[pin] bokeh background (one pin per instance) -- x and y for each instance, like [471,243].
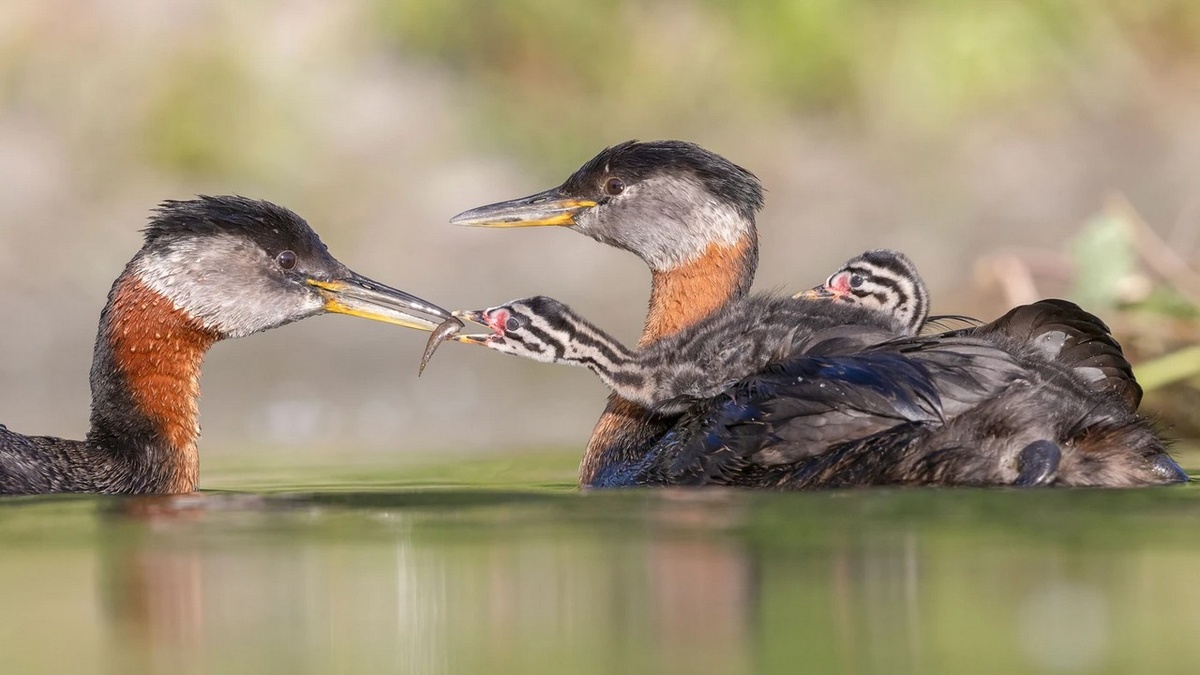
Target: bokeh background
[1013,150]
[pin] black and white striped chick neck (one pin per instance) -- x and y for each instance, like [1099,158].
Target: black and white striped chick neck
[699,362]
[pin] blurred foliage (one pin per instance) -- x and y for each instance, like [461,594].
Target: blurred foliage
[1104,260]
[205,99]
[215,115]
[1151,291]
[1171,368]
[917,63]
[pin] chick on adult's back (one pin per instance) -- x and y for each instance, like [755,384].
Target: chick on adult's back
[883,280]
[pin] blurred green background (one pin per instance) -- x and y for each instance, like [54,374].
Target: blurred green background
[1015,150]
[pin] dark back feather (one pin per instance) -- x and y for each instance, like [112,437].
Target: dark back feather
[1064,333]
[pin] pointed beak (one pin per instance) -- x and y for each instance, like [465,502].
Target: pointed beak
[359,296]
[551,207]
[475,316]
[817,293]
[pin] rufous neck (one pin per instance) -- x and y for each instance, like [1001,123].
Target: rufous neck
[679,297]
[683,295]
[146,386]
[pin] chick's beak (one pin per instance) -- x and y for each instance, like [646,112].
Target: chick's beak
[476,316]
[817,293]
[359,296]
[551,207]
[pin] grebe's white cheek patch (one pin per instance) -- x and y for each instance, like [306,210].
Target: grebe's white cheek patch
[225,285]
[670,220]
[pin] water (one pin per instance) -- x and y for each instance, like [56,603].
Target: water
[500,566]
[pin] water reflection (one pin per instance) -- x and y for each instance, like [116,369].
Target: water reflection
[447,582]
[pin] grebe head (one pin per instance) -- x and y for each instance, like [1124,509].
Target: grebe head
[665,201]
[880,279]
[237,266]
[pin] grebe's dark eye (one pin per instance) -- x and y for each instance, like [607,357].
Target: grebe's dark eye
[286,260]
[856,281]
[512,324]
[614,186]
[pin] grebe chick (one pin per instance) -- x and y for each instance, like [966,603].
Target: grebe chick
[883,280]
[667,376]
[210,268]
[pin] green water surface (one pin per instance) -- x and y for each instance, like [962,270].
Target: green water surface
[501,566]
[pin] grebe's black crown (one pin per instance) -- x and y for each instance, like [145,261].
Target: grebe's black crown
[546,306]
[888,259]
[272,227]
[636,160]
[238,266]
